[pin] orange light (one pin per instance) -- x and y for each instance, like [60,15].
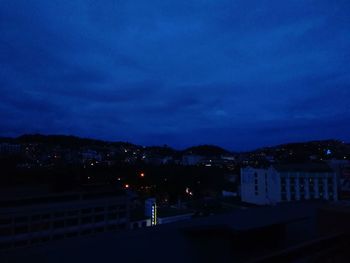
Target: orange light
[126,186]
[142,174]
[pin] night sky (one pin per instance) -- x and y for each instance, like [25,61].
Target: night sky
[236,73]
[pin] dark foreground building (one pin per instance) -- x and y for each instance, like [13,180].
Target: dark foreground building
[283,233]
[39,217]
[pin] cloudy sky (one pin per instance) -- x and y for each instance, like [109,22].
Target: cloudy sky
[236,73]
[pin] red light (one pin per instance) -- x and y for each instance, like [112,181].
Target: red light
[142,174]
[126,186]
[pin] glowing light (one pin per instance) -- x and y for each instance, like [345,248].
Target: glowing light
[154,215]
[188,191]
[142,174]
[89,177]
[126,186]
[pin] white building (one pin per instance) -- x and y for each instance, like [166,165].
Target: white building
[284,183]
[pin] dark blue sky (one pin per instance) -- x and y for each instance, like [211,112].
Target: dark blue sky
[237,73]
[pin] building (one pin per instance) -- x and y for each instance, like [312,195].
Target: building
[168,215]
[9,148]
[192,159]
[29,220]
[285,183]
[91,155]
[232,237]
[342,169]
[151,210]
[154,215]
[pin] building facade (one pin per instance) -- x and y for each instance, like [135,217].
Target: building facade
[9,148]
[285,183]
[29,221]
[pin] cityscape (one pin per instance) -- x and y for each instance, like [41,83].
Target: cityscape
[174,131]
[59,189]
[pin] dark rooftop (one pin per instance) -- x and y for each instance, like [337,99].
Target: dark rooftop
[303,167]
[167,243]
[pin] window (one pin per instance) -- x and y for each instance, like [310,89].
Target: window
[21,230]
[99,229]
[5,245]
[330,188]
[292,196]
[112,216]
[122,214]
[73,213]
[36,218]
[112,208]
[21,243]
[86,232]
[36,240]
[46,216]
[72,234]
[21,219]
[122,207]
[4,221]
[5,231]
[283,188]
[112,227]
[99,218]
[122,226]
[99,209]
[86,220]
[86,211]
[40,227]
[321,189]
[72,222]
[284,197]
[59,214]
[58,237]
[58,224]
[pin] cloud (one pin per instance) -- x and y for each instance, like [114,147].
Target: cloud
[169,71]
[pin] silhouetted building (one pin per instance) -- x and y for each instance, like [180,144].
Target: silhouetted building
[33,219]
[9,148]
[240,236]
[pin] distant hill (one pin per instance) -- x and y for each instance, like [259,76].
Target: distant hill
[161,150]
[303,150]
[63,140]
[337,148]
[206,150]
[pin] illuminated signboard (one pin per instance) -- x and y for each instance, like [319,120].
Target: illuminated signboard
[154,215]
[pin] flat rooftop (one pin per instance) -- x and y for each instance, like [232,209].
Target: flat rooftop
[165,243]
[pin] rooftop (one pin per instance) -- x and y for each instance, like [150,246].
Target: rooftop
[303,167]
[158,243]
